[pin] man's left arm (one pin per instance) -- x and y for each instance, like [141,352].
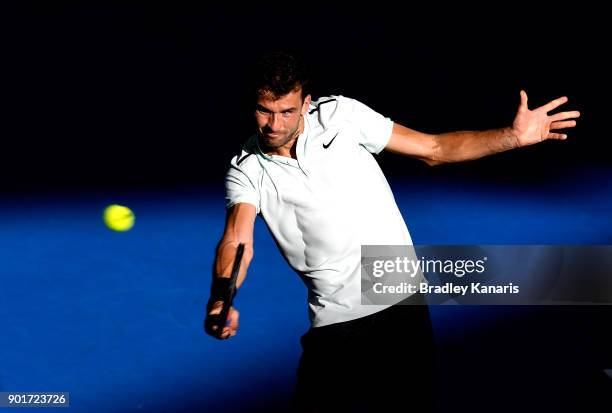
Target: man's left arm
[529,127]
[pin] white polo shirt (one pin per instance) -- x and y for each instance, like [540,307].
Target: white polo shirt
[322,206]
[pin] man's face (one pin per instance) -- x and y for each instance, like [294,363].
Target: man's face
[278,118]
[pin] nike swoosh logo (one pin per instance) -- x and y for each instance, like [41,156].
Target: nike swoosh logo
[329,143]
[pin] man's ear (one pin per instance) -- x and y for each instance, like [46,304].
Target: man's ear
[306,104]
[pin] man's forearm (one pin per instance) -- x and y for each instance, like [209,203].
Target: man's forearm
[468,145]
[226,254]
[238,230]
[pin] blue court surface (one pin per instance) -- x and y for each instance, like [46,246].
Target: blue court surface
[116,318]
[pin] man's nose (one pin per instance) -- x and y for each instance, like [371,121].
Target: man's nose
[274,122]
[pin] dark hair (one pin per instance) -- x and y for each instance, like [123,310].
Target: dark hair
[279,73]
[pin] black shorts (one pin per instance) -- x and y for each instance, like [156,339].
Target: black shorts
[382,362]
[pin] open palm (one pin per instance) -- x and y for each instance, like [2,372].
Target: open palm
[533,126]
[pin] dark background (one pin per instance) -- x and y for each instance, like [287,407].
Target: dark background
[147,96]
[127,97]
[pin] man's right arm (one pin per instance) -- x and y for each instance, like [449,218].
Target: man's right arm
[239,228]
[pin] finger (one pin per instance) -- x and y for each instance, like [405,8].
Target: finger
[523,105]
[558,136]
[232,328]
[564,116]
[214,332]
[554,104]
[216,308]
[234,315]
[228,332]
[562,125]
[211,326]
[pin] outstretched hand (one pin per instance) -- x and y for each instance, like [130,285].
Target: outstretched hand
[533,126]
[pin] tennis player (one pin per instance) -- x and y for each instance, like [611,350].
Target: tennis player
[310,172]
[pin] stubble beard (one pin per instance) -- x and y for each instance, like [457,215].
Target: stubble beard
[290,136]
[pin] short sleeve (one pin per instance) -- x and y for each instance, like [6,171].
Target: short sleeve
[239,188]
[374,129]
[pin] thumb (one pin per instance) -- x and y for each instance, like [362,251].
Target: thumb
[523,100]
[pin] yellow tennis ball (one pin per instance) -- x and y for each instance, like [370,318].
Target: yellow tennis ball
[118,217]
